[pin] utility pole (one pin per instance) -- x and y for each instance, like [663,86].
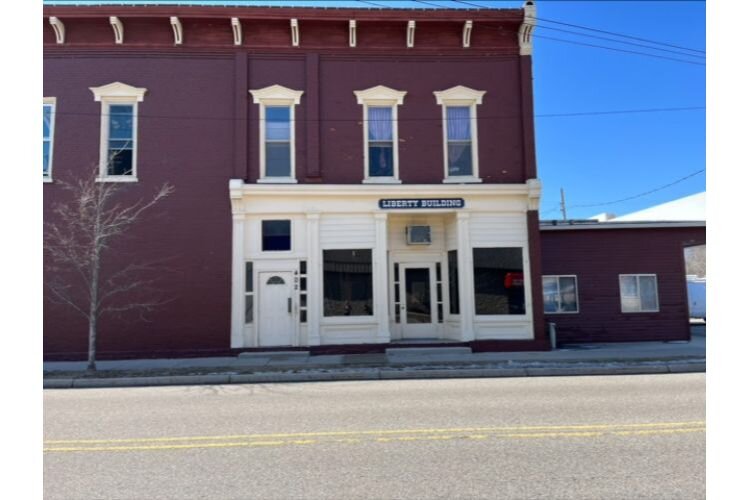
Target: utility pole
[562,204]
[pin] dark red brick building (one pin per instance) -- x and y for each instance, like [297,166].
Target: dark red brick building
[343,177]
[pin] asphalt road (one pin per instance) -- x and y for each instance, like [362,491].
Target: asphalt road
[614,437]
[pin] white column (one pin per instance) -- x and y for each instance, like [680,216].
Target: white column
[380,277]
[314,279]
[465,277]
[238,280]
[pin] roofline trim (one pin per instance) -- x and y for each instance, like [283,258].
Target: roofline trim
[621,225]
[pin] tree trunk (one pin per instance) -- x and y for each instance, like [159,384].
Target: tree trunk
[92,345]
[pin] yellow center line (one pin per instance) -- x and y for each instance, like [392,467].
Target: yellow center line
[382,432]
[434,437]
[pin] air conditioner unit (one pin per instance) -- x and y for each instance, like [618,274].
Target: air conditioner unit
[418,235]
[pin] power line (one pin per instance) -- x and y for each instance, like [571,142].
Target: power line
[574,42]
[588,28]
[401,119]
[619,50]
[620,41]
[617,34]
[589,205]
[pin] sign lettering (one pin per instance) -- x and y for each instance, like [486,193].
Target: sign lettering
[391,204]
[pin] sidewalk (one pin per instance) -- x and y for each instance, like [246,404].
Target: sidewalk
[396,363]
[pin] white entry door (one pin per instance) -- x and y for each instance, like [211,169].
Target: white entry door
[419,303]
[277,320]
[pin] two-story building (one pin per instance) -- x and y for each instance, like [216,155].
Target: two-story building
[343,177]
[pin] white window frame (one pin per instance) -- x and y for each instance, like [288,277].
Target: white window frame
[461,96]
[380,97]
[50,102]
[291,235]
[277,95]
[117,93]
[557,278]
[640,299]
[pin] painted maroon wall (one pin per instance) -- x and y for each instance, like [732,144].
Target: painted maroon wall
[198,129]
[597,257]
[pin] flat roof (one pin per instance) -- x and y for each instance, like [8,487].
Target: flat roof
[586,224]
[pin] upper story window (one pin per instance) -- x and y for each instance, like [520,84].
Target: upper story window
[118,150]
[48,137]
[460,137]
[277,132]
[380,127]
[560,294]
[638,293]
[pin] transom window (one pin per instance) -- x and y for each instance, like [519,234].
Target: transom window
[277,235]
[47,137]
[560,294]
[638,293]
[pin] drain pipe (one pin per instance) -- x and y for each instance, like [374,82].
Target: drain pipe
[553,335]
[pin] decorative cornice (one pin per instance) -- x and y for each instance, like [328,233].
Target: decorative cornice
[461,94]
[381,94]
[277,94]
[526,29]
[118,90]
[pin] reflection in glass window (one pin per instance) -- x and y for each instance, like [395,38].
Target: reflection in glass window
[120,144]
[499,281]
[638,293]
[560,294]
[347,282]
[458,123]
[453,282]
[278,141]
[49,113]
[380,141]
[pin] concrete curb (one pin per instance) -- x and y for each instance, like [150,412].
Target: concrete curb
[384,373]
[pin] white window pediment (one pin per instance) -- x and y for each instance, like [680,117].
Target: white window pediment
[380,94]
[459,95]
[277,94]
[118,91]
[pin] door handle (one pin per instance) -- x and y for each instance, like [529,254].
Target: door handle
[289,305]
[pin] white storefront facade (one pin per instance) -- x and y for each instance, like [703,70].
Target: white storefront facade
[345,264]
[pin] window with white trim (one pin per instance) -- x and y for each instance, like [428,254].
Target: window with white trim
[48,135]
[460,133]
[560,294]
[277,133]
[638,293]
[380,138]
[118,149]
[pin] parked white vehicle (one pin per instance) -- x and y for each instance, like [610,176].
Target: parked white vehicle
[697,296]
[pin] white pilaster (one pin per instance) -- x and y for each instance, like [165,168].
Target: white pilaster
[465,277]
[238,264]
[380,277]
[314,279]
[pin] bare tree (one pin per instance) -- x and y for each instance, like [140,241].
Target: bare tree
[83,233]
